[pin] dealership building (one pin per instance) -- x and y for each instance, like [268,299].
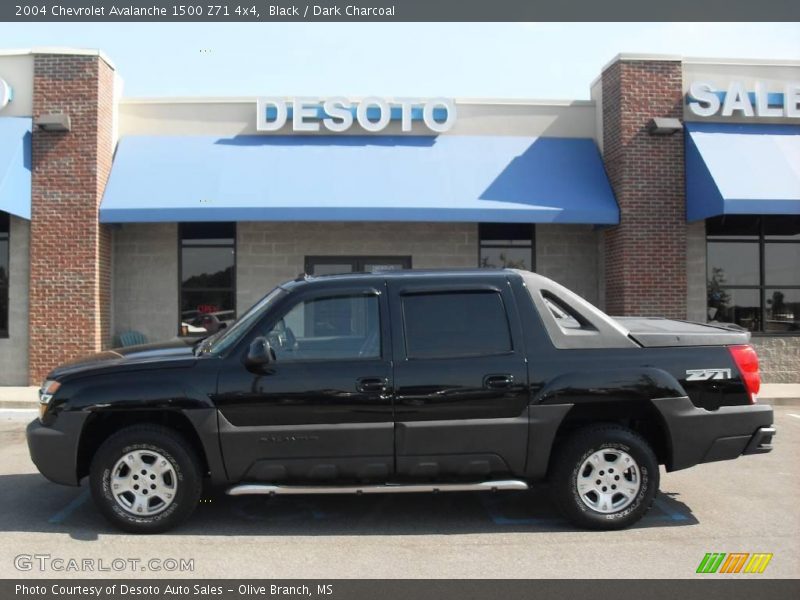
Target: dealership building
[674,191]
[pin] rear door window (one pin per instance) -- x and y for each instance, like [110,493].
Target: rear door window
[455,324]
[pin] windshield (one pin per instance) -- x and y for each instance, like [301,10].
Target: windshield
[226,338]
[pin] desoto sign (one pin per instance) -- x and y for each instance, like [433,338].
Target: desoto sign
[340,114]
[737,100]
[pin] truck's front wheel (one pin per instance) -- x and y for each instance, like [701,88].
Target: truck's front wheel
[604,477]
[145,479]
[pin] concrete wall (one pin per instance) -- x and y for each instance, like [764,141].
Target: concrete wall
[719,73]
[237,116]
[145,280]
[14,348]
[696,272]
[569,255]
[268,253]
[779,358]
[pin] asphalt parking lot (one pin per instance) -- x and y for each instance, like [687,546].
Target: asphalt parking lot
[748,505]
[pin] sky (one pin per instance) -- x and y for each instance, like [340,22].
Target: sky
[463,60]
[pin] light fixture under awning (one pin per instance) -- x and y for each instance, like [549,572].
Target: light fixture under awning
[15,166]
[742,169]
[358,178]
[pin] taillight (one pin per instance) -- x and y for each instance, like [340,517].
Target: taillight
[746,360]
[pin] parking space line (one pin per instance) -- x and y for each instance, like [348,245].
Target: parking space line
[793,415]
[64,513]
[492,508]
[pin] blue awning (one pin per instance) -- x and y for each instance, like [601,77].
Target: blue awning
[742,169]
[358,178]
[15,166]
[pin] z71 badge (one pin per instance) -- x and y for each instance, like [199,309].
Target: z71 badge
[707,374]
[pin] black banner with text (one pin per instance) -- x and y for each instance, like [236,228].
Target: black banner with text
[397,10]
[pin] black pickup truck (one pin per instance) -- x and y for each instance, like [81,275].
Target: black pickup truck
[405,382]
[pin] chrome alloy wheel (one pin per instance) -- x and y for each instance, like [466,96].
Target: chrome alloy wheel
[608,480]
[144,483]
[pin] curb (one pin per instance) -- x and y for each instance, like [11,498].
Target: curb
[19,404]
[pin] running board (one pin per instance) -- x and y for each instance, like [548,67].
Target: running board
[388,488]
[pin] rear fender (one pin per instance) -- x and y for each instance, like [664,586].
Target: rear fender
[639,384]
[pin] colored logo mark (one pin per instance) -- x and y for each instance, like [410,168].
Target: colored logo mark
[734,562]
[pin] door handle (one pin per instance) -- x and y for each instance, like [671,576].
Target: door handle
[371,384]
[498,382]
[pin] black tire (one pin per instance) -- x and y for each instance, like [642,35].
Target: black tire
[170,445]
[568,460]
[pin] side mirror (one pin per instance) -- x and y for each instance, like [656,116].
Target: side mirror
[260,353]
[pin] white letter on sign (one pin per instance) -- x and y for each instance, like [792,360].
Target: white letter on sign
[763,109]
[703,101]
[383,119]
[6,94]
[339,116]
[736,99]
[406,108]
[301,111]
[433,124]
[261,114]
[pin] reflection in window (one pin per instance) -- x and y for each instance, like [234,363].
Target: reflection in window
[782,308]
[331,328]
[782,263]
[450,325]
[4,275]
[336,265]
[506,245]
[739,306]
[207,277]
[753,272]
[735,262]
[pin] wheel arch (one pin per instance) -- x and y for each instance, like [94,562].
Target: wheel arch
[100,425]
[641,417]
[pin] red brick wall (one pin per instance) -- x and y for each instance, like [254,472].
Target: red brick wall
[646,253]
[70,250]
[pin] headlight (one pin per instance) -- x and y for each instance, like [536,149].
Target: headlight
[46,394]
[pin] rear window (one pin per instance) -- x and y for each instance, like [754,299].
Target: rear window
[455,324]
[566,317]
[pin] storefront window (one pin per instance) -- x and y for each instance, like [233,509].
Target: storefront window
[207,277]
[4,243]
[336,265]
[753,272]
[506,245]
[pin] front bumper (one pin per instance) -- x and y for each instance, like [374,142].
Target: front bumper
[54,449]
[699,436]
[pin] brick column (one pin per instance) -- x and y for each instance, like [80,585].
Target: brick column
[70,251]
[645,258]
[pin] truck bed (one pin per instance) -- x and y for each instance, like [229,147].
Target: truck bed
[656,332]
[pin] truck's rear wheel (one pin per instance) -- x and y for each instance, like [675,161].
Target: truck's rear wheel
[604,477]
[145,479]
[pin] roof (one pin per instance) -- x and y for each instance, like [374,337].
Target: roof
[403,274]
[721,159]
[463,178]
[15,166]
